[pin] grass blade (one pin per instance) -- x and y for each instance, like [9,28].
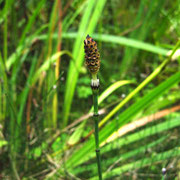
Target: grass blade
[87,26]
[77,157]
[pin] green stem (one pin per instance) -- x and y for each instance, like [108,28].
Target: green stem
[96,119]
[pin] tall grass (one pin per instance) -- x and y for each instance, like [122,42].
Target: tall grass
[87,26]
[44,129]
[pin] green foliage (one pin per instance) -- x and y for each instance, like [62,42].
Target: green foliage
[87,25]
[84,92]
[3,143]
[46,116]
[123,118]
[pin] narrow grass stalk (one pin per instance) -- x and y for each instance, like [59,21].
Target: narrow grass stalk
[96,120]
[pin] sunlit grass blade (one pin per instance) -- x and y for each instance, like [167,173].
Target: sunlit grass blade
[45,66]
[77,51]
[142,85]
[68,21]
[144,133]
[4,87]
[126,116]
[141,122]
[121,40]
[142,163]
[3,143]
[113,160]
[87,26]
[138,136]
[5,10]
[138,44]
[112,88]
[77,134]
[5,47]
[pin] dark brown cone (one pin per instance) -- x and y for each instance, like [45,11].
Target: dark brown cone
[92,55]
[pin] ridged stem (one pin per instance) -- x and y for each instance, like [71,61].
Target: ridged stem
[95,91]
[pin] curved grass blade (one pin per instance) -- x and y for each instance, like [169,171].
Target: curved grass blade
[78,156]
[45,66]
[114,160]
[142,163]
[77,134]
[125,42]
[87,26]
[141,86]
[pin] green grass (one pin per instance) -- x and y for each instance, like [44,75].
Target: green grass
[45,125]
[123,118]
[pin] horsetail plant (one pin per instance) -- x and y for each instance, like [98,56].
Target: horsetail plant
[92,57]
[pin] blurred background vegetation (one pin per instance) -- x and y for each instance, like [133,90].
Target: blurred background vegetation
[45,96]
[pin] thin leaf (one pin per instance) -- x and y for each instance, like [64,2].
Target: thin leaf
[77,134]
[77,157]
[142,163]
